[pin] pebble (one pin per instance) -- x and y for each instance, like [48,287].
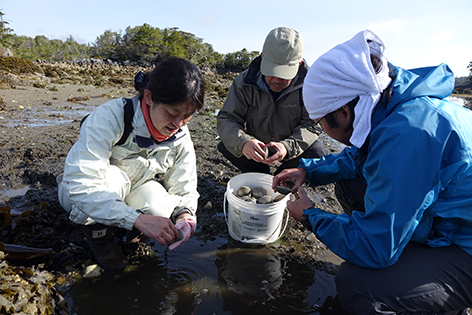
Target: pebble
[92,271]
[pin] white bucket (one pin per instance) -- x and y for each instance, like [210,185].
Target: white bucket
[250,222]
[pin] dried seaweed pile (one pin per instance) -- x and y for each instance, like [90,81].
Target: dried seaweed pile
[28,291]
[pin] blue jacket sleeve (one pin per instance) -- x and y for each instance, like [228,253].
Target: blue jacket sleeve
[331,168]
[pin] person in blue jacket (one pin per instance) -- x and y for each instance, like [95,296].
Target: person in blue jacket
[404,181]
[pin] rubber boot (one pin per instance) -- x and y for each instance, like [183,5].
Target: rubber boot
[101,241]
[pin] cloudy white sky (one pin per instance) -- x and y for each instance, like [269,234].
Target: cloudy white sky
[417,32]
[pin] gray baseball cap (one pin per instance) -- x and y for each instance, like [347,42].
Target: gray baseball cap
[282,53]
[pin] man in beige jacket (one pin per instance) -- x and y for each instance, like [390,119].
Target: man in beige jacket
[264,120]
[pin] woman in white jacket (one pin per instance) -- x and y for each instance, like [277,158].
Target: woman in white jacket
[107,185]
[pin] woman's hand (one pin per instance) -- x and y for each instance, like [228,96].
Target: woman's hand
[296,206]
[187,224]
[160,229]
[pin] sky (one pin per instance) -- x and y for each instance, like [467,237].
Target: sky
[417,33]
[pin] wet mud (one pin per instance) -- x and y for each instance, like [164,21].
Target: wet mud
[211,274]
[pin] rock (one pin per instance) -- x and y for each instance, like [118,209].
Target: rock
[92,271]
[9,78]
[5,52]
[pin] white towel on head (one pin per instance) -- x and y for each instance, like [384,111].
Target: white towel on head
[344,73]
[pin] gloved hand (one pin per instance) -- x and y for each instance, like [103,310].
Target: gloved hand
[187,224]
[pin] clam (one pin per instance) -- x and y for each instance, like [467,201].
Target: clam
[180,237]
[278,198]
[258,192]
[244,191]
[283,190]
[259,195]
[264,199]
[252,200]
[246,198]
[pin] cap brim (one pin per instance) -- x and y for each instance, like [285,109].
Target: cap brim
[287,72]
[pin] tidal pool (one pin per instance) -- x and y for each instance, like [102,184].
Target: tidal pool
[218,277]
[8,193]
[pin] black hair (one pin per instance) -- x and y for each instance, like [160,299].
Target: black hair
[376,63]
[331,120]
[172,82]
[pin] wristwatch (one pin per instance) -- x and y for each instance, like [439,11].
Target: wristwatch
[305,221]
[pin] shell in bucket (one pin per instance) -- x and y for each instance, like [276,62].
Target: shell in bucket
[250,222]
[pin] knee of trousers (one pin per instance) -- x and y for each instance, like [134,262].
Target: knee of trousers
[63,200]
[353,291]
[153,199]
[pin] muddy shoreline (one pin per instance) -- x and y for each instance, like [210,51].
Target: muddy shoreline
[39,122]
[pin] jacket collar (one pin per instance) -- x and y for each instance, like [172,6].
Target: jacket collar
[150,143]
[142,136]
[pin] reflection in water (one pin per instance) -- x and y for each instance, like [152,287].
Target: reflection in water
[219,277]
[14,192]
[154,289]
[258,281]
[251,272]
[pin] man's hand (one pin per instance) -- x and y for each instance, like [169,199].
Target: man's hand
[296,206]
[295,175]
[279,155]
[254,150]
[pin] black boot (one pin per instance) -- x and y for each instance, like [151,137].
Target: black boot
[107,254]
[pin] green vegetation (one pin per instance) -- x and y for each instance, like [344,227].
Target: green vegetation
[42,48]
[143,45]
[470,71]
[5,36]
[148,45]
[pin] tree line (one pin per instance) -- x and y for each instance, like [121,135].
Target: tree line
[144,45]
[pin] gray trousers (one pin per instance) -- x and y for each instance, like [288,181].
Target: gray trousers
[425,280]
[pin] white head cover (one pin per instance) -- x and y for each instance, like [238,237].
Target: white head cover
[342,74]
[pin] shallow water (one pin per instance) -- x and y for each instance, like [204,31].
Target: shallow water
[44,116]
[9,193]
[218,277]
[457,100]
